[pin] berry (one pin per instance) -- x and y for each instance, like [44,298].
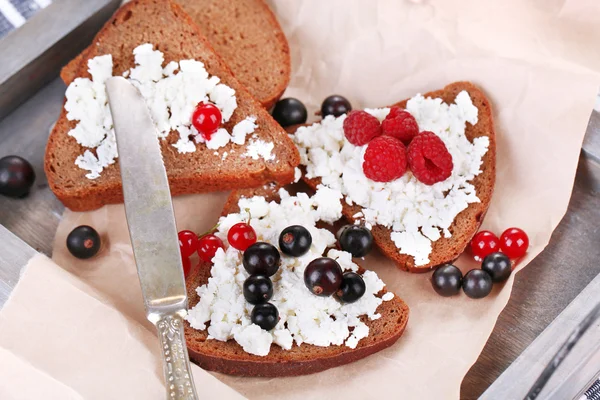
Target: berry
[83,242]
[483,244]
[289,112]
[208,246]
[261,259]
[401,125]
[394,112]
[360,127]
[498,266]
[16,176]
[335,105]
[514,243]
[241,235]
[188,243]
[265,315]
[356,240]
[323,276]
[258,289]
[447,280]
[385,159]
[295,240]
[206,119]
[187,266]
[429,159]
[339,232]
[477,284]
[353,287]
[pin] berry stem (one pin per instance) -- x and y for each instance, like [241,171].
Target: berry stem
[211,230]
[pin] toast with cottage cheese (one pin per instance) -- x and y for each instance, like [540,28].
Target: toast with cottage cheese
[467,222]
[246,34]
[230,358]
[266,155]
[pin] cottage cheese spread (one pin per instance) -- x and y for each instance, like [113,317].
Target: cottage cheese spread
[171,92]
[417,214]
[305,318]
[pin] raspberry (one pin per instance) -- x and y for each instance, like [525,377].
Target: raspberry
[429,159]
[385,159]
[394,112]
[401,125]
[360,127]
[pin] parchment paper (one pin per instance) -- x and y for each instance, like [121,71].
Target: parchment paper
[538,63]
[61,339]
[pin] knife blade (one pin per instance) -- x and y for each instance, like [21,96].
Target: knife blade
[152,229]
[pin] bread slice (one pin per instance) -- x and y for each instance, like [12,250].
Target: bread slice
[246,34]
[468,221]
[229,357]
[165,25]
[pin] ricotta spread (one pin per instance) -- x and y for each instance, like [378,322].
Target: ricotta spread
[417,214]
[304,317]
[171,93]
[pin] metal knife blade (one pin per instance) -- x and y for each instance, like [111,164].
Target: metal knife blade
[147,199]
[152,228]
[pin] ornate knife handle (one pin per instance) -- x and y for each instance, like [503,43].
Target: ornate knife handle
[176,364]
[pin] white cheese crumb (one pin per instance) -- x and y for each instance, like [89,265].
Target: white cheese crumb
[297,175]
[260,149]
[243,128]
[219,139]
[253,339]
[387,296]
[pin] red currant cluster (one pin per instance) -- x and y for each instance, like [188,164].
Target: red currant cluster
[513,242]
[240,236]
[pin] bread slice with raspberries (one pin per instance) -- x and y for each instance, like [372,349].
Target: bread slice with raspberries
[246,35]
[164,24]
[468,221]
[229,357]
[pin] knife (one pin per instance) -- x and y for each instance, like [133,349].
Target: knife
[152,230]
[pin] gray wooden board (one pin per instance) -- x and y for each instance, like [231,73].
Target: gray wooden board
[541,291]
[14,256]
[33,54]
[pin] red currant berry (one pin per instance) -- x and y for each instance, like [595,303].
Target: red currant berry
[188,243]
[483,244]
[208,246]
[241,236]
[514,243]
[187,266]
[206,119]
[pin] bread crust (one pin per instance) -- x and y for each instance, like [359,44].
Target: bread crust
[201,171]
[230,358]
[467,223]
[265,33]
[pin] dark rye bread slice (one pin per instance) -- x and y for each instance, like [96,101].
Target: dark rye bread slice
[246,34]
[229,357]
[165,25]
[248,37]
[468,221]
